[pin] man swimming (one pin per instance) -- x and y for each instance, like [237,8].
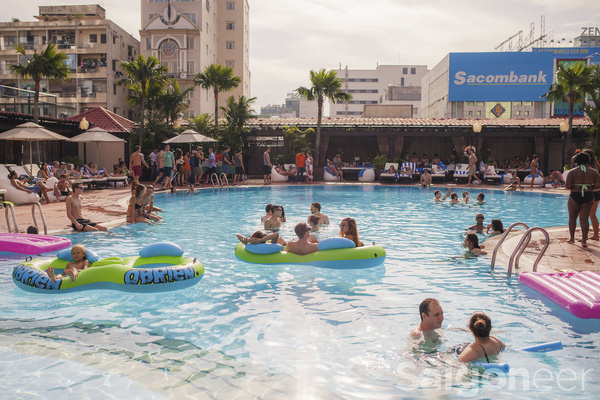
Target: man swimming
[432,316]
[274,222]
[479,226]
[315,209]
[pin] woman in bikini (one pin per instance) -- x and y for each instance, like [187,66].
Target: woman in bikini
[348,230]
[582,182]
[595,224]
[485,346]
[136,205]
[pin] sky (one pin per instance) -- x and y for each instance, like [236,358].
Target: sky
[288,38]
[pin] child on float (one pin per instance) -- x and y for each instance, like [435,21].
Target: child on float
[72,269]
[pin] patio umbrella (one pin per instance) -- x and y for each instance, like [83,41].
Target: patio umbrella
[96,135]
[190,136]
[30,132]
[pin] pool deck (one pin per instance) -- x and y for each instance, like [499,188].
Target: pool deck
[108,207]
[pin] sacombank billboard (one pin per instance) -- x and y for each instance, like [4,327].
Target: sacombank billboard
[500,76]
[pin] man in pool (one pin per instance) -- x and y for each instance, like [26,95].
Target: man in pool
[274,222]
[73,203]
[479,226]
[481,198]
[303,245]
[432,316]
[315,209]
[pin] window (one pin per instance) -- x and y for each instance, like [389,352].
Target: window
[148,43]
[206,49]
[230,63]
[103,38]
[518,103]
[518,112]
[479,103]
[190,16]
[413,71]
[470,112]
[230,5]
[190,43]
[478,112]
[230,45]
[402,81]
[526,112]
[115,89]
[191,67]
[93,38]
[405,71]
[10,40]
[469,103]
[114,40]
[207,5]
[230,26]
[114,65]
[527,103]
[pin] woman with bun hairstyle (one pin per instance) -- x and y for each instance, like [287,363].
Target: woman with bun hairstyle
[485,346]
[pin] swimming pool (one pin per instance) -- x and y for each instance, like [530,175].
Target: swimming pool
[295,331]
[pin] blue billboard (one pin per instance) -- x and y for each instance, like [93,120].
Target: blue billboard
[500,76]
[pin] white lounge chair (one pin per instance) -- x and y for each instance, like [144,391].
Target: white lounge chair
[13,194]
[438,173]
[404,176]
[492,176]
[461,172]
[385,175]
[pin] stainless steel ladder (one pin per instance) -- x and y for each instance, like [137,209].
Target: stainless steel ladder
[220,181]
[514,258]
[504,235]
[9,206]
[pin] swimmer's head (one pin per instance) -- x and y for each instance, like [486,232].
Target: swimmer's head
[480,324]
[480,197]
[78,249]
[497,225]
[316,206]
[301,229]
[473,240]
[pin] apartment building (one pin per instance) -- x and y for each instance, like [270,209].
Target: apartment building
[94,47]
[370,86]
[188,35]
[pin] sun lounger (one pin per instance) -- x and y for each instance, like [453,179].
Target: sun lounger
[461,172]
[95,182]
[118,179]
[491,176]
[404,177]
[11,193]
[385,175]
[438,173]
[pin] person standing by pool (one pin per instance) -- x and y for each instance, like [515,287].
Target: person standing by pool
[153,165]
[303,245]
[240,171]
[300,166]
[212,164]
[135,163]
[309,166]
[267,166]
[432,316]
[315,209]
[582,182]
[485,346]
[166,161]
[348,230]
[534,169]
[73,204]
[472,166]
[226,160]
[595,224]
[478,227]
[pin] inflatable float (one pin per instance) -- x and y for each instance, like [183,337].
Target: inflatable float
[23,243]
[333,253]
[160,267]
[576,292]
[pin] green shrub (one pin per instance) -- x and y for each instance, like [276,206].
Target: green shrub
[72,160]
[379,161]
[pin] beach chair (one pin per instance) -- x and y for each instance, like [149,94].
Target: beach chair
[385,176]
[11,193]
[461,173]
[32,169]
[328,176]
[94,181]
[438,173]
[277,177]
[491,176]
[404,177]
[539,181]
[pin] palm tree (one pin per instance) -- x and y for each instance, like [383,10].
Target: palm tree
[174,101]
[237,113]
[153,90]
[202,124]
[325,85]
[219,79]
[49,64]
[139,72]
[572,84]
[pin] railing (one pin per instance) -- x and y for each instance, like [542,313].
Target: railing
[9,206]
[39,206]
[506,232]
[514,258]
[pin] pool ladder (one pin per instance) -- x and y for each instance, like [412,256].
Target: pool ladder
[221,181]
[516,255]
[9,206]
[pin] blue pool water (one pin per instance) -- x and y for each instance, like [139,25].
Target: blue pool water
[291,331]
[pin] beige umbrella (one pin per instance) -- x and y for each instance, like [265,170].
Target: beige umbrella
[189,136]
[30,132]
[96,135]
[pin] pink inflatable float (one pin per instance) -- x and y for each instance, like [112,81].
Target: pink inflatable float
[576,292]
[23,243]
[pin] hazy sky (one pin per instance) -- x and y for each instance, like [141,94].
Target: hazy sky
[290,37]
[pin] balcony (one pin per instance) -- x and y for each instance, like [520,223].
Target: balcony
[91,72]
[95,97]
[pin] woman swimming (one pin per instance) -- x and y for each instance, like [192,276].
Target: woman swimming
[472,244]
[348,230]
[485,346]
[496,226]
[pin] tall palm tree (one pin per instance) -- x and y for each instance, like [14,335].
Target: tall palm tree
[174,101]
[237,113]
[325,85]
[572,84]
[153,90]
[219,79]
[139,72]
[49,64]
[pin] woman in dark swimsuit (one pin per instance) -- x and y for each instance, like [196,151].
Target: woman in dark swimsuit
[485,345]
[595,223]
[581,181]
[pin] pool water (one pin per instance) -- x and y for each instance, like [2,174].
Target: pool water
[289,331]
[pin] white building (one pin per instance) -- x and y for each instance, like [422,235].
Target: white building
[189,35]
[368,86]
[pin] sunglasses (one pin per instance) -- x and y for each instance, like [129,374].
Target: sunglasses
[479,218]
[343,224]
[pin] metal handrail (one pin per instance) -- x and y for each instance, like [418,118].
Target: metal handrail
[214,176]
[504,235]
[514,258]
[41,214]
[224,179]
[8,205]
